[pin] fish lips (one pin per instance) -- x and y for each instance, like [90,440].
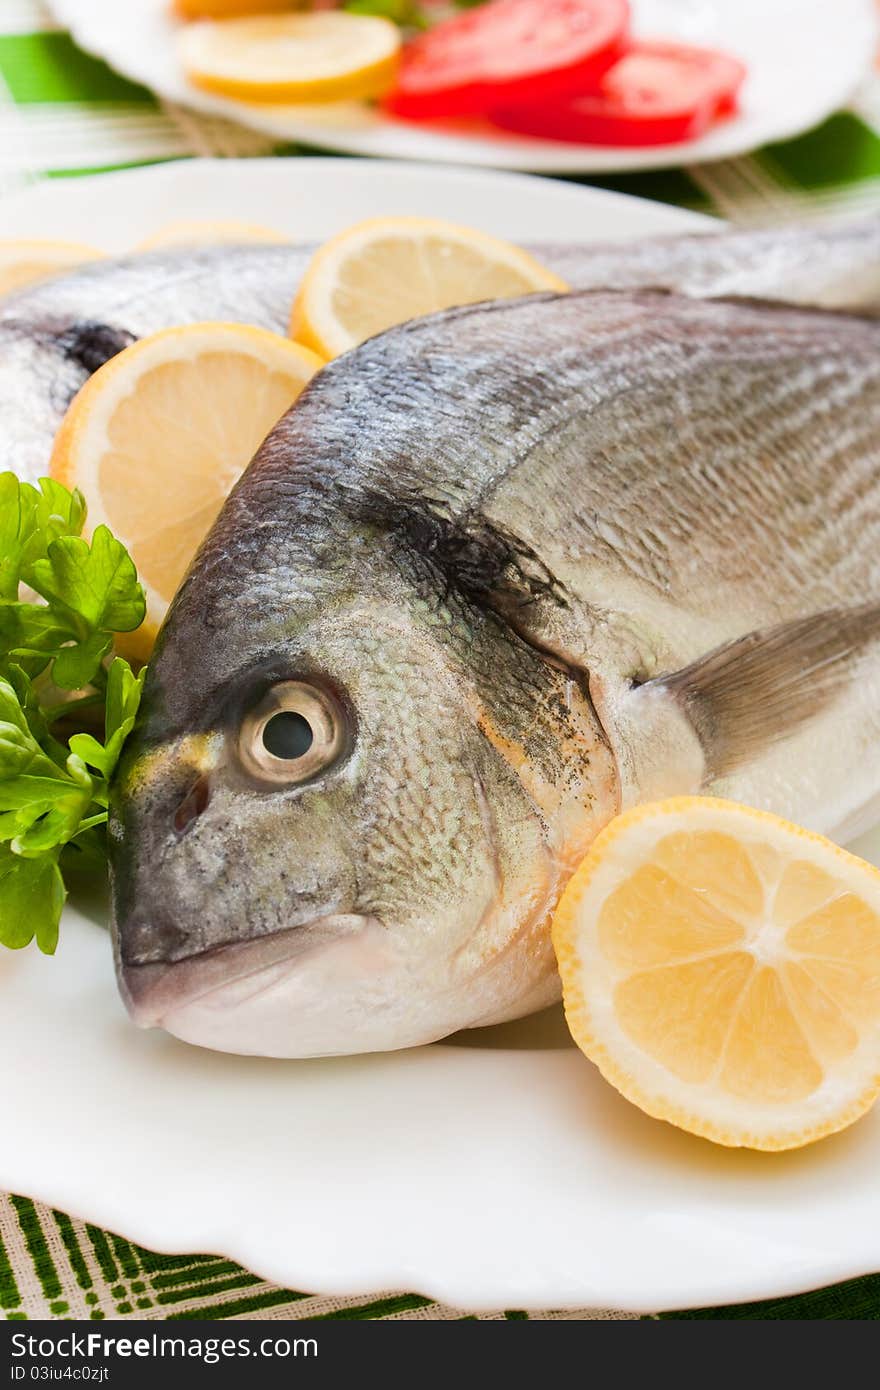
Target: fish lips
[189,996]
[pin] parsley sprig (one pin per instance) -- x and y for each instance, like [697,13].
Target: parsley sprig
[409,14]
[56,674]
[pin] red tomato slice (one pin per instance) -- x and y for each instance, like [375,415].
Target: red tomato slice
[509,51]
[657,94]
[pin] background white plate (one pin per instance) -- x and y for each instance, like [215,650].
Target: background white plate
[500,1171]
[805,57]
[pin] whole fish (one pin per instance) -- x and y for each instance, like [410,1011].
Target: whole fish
[498,574]
[55,334]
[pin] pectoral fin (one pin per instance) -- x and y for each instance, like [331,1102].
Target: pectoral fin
[682,731]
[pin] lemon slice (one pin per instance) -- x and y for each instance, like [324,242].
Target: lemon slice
[196,233]
[159,435]
[227,9]
[390,269]
[23,262]
[292,57]
[722,969]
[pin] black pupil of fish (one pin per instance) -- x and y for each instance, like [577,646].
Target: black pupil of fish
[288,735]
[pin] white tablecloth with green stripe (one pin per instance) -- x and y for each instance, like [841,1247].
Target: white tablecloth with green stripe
[62,113]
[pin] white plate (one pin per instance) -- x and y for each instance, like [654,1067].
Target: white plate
[498,1172]
[805,58]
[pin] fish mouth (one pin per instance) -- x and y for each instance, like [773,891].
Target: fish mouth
[230,975]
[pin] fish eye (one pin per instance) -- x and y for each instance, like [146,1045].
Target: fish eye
[293,733]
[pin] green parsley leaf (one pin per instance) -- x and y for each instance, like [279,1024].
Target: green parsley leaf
[123,697]
[60,512]
[97,583]
[16,529]
[10,707]
[32,895]
[409,14]
[32,629]
[30,520]
[54,791]
[124,691]
[403,12]
[77,665]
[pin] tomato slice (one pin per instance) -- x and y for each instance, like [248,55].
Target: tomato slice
[657,94]
[509,51]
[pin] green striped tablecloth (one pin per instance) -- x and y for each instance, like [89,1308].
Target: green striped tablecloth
[63,113]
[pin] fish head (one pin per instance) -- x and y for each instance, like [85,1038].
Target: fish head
[333,851]
[352,795]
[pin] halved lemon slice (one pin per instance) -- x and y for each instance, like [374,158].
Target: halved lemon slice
[195,233]
[390,269]
[23,262]
[160,433]
[292,57]
[722,969]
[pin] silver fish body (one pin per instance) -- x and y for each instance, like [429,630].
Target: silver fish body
[55,334]
[529,562]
